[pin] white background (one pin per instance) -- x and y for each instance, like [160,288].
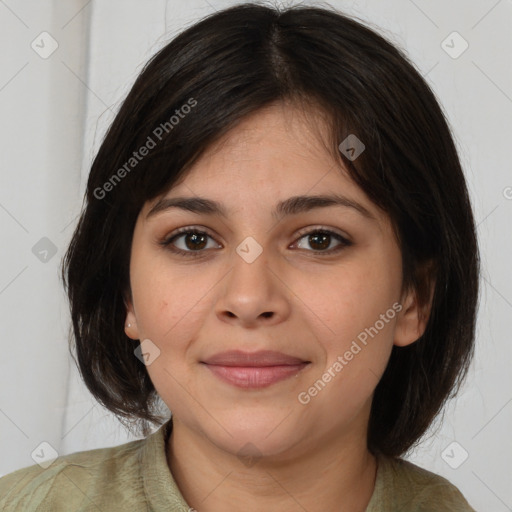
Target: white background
[54,113]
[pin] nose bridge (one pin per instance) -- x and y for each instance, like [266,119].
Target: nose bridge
[251,289]
[250,266]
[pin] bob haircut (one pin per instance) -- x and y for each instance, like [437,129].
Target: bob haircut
[197,88]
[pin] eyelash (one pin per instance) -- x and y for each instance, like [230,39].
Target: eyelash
[168,242]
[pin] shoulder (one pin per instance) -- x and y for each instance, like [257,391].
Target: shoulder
[78,481]
[402,485]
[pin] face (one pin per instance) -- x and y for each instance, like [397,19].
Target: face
[320,283]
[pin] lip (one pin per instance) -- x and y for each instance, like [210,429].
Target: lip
[254,369]
[253,359]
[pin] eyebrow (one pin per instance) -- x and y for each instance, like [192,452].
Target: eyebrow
[291,206]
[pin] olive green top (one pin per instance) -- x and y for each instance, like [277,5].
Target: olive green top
[135,477]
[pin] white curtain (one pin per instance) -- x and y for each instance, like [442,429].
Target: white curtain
[42,105]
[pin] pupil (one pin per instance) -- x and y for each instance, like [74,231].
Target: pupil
[195,237]
[315,237]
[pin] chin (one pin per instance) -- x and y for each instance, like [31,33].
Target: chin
[252,434]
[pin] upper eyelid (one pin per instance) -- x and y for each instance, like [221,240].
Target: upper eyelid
[304,231]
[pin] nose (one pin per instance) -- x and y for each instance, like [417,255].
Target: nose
[253,293]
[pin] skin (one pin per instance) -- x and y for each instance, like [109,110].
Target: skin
[291,299]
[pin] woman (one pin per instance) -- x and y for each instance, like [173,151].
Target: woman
[278,243]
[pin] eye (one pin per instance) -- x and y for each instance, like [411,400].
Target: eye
[192,241]
[320,240]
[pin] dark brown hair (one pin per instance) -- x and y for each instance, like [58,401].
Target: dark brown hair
[229,65]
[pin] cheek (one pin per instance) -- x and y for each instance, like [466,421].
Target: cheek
[352,309]
[349,298]
[169,306]
[164,298]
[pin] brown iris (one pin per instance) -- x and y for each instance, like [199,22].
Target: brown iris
[197,240]
[321,239]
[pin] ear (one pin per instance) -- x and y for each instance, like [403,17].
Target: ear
[130,324]
[416,307]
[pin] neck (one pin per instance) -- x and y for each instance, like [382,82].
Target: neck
[337,473]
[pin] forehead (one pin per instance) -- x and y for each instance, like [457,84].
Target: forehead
[281,129]
[280,147]
[267,161]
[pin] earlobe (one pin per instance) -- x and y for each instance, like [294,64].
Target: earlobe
[412,320]
[417,305]
[130,324]
[407,327]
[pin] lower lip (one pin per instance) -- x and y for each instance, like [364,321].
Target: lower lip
[255,377]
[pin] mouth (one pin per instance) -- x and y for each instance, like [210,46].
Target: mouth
[254,370]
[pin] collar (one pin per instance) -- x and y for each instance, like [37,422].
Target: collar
[161,490]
